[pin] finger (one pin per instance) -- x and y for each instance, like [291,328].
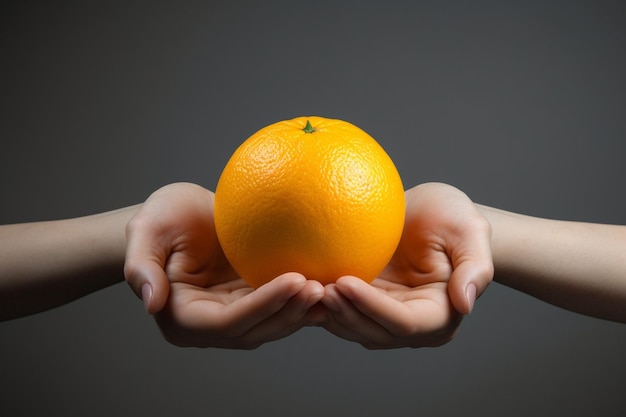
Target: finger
[294,315]
[422,314]
[348,322]
[467,282]
[472,272]
[144,272]
[237,318]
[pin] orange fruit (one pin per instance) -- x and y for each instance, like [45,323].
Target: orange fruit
[311,195]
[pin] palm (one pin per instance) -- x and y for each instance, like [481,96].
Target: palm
[421,266]
[417,277]
[198,298]
[417,298]
[445,238]
[230,314]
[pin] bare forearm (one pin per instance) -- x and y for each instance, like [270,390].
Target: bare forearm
[46,264]
[574,265]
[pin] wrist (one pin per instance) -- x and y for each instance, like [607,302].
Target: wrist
[106,234]
[508,230]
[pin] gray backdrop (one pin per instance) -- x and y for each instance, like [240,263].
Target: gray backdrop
[520,104]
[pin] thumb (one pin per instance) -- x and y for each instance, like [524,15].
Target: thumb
[468,280]
[149,281]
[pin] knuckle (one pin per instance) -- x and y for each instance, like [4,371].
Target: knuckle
[131,269]
[487,271]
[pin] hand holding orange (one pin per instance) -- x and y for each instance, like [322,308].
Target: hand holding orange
[311,195]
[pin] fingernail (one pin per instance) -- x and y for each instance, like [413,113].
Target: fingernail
[470,294]
[146,295]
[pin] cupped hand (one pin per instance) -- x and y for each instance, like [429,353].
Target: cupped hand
[175,264]
[442,263]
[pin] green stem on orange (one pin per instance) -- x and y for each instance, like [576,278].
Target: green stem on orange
[308,128]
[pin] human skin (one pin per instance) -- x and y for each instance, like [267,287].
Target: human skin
[168,251]
[443,262]
[452,246]
[175,264]
[50,263]
[578,266]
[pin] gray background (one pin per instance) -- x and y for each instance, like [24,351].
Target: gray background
[520,104]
